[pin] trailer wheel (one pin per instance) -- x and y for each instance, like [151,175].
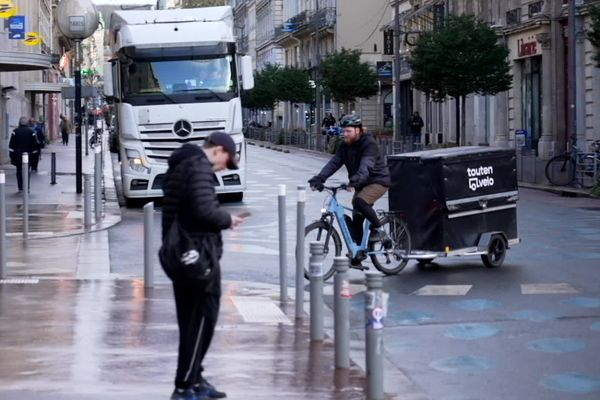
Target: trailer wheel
[496,252]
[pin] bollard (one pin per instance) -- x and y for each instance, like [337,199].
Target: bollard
[374,312]
[87,139]
[25,175]
[97,184]
[341,311]
[300,253]
[282,246]
[315,271]
[53,168]
[87,200]
[2,224]
[148,252]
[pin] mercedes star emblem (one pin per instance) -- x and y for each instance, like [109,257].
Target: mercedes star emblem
[182,128]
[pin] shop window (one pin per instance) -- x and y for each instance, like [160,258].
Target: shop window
[531,97]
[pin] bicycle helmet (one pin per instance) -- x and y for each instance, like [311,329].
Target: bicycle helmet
[351,120]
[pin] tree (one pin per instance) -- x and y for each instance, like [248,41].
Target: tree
[203,3]
[293,84]
[346,78]
[594,33]
[462,58]
[263,96]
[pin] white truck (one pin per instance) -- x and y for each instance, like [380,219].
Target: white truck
[174,77]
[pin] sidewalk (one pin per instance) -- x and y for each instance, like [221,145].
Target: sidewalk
[57,210]
[114,340]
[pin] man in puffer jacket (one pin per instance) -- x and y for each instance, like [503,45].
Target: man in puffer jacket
[189,195]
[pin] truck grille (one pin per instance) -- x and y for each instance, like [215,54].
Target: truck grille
[159,140]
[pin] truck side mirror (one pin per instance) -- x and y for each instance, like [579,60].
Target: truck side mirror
[108,80]
[247,73]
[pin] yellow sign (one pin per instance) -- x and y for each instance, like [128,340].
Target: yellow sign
[32,39]
[7,9]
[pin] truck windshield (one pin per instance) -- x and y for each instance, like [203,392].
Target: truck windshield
[206,79]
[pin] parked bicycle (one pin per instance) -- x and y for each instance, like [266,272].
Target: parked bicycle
[388,254]
[575,167]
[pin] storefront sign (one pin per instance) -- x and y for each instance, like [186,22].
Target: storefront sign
[16,27]
[384,69]
[527,49]
[525,45]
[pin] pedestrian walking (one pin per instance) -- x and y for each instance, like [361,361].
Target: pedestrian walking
[416,124]
[40,139]
[22,140]
[65,129]
[191,202]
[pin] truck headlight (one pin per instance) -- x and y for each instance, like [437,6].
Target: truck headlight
[137,162]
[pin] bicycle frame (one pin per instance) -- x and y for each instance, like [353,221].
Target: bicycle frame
[338,210]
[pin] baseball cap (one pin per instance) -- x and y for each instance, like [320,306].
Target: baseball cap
[224,140]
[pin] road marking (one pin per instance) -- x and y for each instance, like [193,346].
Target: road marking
[249,249]
[443,290]
[19,281]
[547,288]
[14,234]
[259,310]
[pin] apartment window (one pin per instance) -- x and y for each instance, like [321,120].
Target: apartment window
[534,8]
[531,97]
[513,16]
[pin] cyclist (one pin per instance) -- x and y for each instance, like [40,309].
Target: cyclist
[368,174]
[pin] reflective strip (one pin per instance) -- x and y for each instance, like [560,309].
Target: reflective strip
[483,211]
[187,375]
[484,197]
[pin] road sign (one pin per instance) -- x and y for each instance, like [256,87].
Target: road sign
[16,27]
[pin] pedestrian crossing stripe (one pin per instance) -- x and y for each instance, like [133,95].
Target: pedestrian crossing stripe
[547,288]
[19,281]
[443,290]
[259,310]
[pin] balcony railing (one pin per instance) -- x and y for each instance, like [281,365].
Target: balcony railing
[323,18]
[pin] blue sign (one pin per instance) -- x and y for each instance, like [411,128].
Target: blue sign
[16,27]
[385,69]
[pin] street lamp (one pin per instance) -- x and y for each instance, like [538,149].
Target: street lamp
[77,20]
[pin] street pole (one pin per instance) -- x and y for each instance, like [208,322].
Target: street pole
[397,108]
[318,111]
[2,225]
[79,119]
[572,129]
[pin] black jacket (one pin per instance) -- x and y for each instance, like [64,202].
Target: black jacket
[364,163]
[189,194]
[22,140]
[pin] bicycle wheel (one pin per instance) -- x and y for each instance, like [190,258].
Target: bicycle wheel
[317,232]
[392,259]
[560,170]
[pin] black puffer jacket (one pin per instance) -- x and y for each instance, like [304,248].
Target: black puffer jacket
[189,193]
[364,163]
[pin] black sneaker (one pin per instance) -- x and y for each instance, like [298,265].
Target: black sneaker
[185,394]
[376,235]
[208,390]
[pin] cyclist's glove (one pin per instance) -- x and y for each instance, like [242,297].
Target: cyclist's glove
[317,183]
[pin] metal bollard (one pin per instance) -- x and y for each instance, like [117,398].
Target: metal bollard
[300,252]
[87,200]
[282,246]
[374,312]
[2,225]
[341,310]
[97,184]
[87,139]
[316,291]
[25,175]
[148,250]
[53,168]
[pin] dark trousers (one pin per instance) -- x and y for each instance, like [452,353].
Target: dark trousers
[197,313]
[19,166]
[65,138]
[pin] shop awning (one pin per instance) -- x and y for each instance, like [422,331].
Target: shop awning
[13,61]
[44,87]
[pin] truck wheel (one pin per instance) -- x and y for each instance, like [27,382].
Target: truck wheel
[496,252]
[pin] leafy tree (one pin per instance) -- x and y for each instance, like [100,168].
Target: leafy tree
[263,96]
[345,77]
[594,33]
[462,58]
[292,84]
[203,3]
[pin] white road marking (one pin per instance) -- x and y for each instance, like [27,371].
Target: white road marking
[547,288]
[249,249]
[443,290]
[259,310]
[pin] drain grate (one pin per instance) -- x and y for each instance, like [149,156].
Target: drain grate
[19,281]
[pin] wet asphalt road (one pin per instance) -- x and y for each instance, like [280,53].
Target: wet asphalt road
[530,329]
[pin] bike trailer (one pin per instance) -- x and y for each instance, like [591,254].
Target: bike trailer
[457,201]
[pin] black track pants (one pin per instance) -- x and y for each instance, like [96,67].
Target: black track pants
[197,313]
